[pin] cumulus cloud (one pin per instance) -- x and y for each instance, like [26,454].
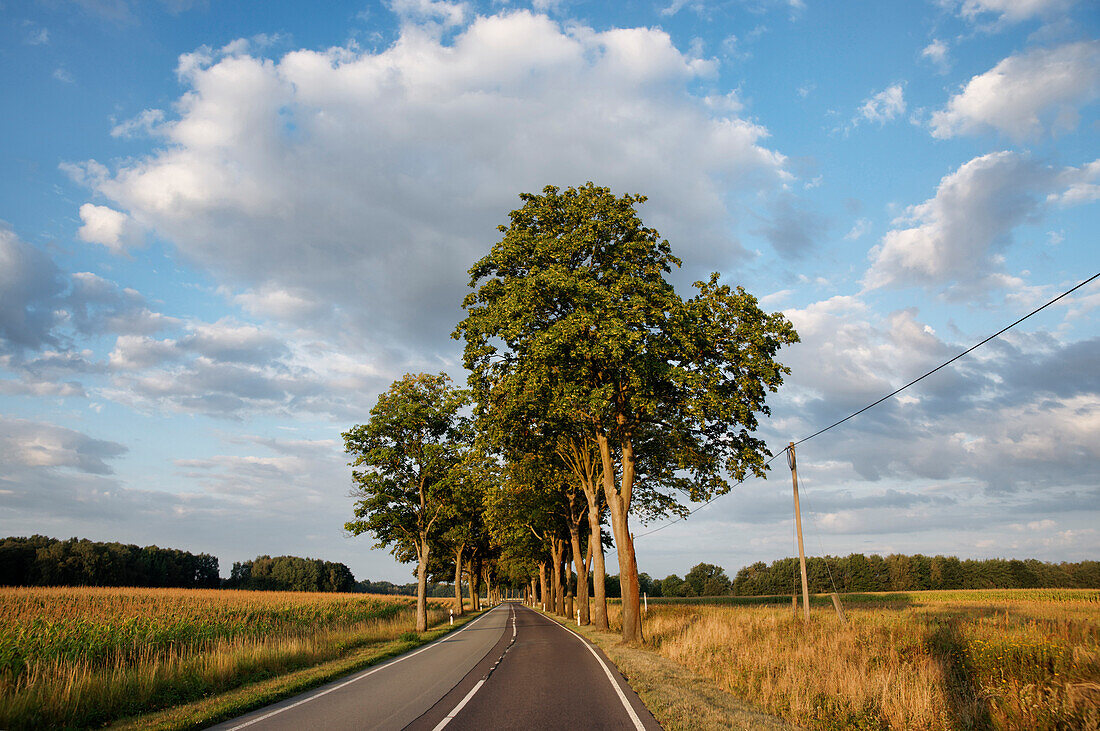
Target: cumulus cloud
[882,107]
[936,52]
[108,227]
[1024,409]
[370,182]
[954,237]
[1026,94]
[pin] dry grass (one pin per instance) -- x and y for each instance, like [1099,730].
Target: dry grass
[82,657]
[922,660]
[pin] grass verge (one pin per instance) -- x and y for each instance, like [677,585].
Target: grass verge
[677,697]
[222,707]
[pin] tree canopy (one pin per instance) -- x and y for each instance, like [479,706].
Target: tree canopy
[404,464]
[573,327]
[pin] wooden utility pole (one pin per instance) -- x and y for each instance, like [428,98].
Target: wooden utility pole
[798,533]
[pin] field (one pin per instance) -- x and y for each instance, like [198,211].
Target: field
[79,657]
[919,660]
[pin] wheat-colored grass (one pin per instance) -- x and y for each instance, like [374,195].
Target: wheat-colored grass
[921,660]
[80,657]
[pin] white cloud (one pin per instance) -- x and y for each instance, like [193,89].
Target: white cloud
[108,227]
[956,236]
[1082,185]
[148,122]
[883,106]
[63,75]
[370,182]
[448,13]
[1025,94]
[937,53]
[859,228]
[29,444]
[1008,10]
[1024,410]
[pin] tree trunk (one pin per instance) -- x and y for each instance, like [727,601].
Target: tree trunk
[488,587]
[544,597]
[470,587]
[599,572]
[582,571]
[422,585]
[557,547]
[568,590]
[618,502]
[475,586]
[458,582]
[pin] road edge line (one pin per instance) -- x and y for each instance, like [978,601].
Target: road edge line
[358,677]
[622,696]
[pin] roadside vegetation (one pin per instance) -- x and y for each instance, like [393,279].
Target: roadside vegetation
[82,657]
[916,660]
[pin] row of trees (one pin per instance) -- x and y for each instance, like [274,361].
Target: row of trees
[42,561]
[597,393]
[897,572]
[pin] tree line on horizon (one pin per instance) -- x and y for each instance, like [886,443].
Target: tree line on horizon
[42,561]
[897,572]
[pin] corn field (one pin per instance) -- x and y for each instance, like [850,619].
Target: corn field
[77,657]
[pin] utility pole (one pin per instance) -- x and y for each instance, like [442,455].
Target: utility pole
[798,532]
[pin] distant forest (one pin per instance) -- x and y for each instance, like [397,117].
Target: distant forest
[896,572]
[43,561]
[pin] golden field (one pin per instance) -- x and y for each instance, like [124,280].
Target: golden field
[79,657]
[1012,659]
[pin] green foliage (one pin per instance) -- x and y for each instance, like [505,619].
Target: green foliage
[43,561]
[896,572]
[672,586]
[573,326]
[290,573]
[404,459]
[707,580]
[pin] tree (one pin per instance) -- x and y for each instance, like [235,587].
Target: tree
[706,579]
[404,460]
[672,585]
[573,324]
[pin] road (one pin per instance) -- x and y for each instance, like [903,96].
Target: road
[510,668]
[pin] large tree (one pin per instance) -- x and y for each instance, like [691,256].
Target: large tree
[405,460]
[573,324]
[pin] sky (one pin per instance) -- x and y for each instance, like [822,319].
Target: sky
[226,227]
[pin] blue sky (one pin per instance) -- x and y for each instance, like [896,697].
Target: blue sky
[226,227]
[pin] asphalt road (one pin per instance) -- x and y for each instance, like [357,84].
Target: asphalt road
[511,668]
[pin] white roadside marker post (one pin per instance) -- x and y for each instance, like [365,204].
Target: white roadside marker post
[452,616]
[645,596]
[578,618]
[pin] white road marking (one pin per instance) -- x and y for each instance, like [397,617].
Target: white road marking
[477,686]
[372,671]
[460,706]
[622,697]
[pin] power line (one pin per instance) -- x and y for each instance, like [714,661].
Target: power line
[947,363]
[887,396]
